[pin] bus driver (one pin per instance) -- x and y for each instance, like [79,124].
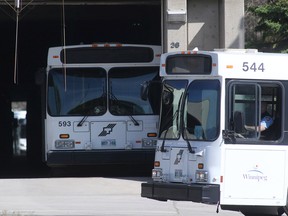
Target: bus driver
[266,119]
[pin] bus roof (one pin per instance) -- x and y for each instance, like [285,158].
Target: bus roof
[237,63]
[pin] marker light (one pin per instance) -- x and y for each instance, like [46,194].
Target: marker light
[64,136]
[156,163]
[151,134]
[229,66]
[200,166]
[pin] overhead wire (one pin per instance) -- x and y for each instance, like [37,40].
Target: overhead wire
[64,44]
[15,75]
[17,9]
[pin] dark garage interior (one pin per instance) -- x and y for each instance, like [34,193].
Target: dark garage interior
[42,24]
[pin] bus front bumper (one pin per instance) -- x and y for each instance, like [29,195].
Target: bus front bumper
[101,157]
[181,192]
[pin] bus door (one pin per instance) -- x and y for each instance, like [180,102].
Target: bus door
[254,158]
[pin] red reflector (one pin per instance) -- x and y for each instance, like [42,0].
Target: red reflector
[221,179]
[78,142]
[55,56]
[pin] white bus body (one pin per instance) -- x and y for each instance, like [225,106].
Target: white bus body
[205,153]
[94,113]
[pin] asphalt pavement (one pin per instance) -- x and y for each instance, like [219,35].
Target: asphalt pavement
[85,196]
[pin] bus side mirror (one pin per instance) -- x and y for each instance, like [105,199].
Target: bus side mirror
[40,76]
[144,91]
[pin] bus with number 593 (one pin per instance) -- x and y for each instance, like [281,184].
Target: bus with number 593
[93,110]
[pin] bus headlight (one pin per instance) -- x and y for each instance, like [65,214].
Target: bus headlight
[157,174]
[149,143]
[64,144]
[201,176]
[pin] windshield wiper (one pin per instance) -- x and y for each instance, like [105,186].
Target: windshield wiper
[175,115]
[82,121]
[190,149]
[135,122]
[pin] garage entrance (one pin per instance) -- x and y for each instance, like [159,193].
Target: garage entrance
[41,25]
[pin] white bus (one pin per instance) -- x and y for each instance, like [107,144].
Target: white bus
[210,147]
[94,113]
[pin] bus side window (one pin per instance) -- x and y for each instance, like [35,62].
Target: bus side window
[239,122]
[247,119]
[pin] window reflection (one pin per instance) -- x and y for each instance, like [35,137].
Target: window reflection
[125,90]
[202,110]
[84,93]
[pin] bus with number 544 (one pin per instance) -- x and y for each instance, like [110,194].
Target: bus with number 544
[93,110]
[214,145]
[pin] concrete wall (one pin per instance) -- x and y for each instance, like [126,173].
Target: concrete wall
[206,24]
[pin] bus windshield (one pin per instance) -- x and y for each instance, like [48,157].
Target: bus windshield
[125,90]
[201,117]
[172,95]
[84,93]
[200,112]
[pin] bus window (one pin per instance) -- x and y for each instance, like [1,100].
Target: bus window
[84,93]
[172,95]
[202,110]
[254,111]
[125,89]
